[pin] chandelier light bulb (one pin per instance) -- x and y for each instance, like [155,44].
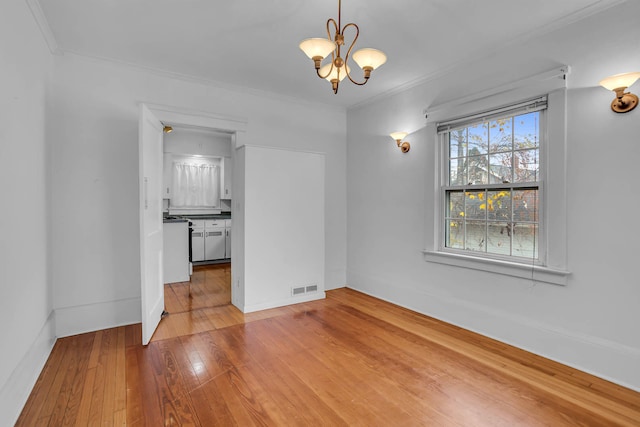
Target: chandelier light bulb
[315,47]
[368,57]
[334,73]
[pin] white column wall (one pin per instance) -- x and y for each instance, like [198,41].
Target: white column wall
[94,177]
[25,305]
[592,323]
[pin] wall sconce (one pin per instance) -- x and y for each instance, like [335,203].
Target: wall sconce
[167,129]
[398,136]
[624,102]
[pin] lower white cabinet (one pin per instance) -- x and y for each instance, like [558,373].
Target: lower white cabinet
[197,241]
[214,243]
[227,246]
[210,240]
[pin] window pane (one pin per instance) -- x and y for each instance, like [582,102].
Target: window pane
[476,203]
[525,205]
[454,234]
[477,170]
[458,143]
[525,241]
[499,238]
[500,168]
[499,205]
[457,173]
[526,128]
[500,135]
[455,205]
[478,139]
[526,165]
[475,236]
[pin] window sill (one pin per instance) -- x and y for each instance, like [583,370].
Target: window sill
[524,271]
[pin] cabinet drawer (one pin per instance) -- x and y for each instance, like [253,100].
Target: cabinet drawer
[227,223]
[214,223]
[197,223]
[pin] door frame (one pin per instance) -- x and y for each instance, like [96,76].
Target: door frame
[236,126]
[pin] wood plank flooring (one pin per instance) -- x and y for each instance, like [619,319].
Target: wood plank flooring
[347,360]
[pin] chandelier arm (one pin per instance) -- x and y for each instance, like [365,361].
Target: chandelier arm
[328,72]
[346,58]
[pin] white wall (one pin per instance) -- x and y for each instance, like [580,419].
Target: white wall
[592,322]
[283,216]
[25,305]
[197,141]
[94,178]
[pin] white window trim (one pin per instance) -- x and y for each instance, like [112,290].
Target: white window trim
[552,265]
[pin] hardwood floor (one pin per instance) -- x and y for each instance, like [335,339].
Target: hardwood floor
[347,360]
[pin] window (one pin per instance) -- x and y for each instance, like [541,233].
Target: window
[499,189]
[196,184]
[491,188]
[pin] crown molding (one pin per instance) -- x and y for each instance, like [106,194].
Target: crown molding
[205,81]
[587,11]
[43,24]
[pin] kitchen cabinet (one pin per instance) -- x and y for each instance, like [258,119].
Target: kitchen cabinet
[227,166]
[209,240]
[227,239]
[214,243]
[197,240]
[167,175]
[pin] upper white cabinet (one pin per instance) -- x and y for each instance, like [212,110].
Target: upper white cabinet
[227,166]
[167,176]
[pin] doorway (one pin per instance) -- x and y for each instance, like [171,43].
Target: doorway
[171,116]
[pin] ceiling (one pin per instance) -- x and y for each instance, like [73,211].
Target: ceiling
[254,43]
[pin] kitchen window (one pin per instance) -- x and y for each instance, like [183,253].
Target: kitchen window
[501,195]
[196,184]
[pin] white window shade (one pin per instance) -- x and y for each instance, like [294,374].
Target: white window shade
[530,106]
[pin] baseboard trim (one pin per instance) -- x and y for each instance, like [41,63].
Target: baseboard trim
[597,356]
[17,388]
[281,303]
[93,317]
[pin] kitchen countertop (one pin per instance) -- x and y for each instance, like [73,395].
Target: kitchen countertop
[184,218]
[171,219]
[209,216]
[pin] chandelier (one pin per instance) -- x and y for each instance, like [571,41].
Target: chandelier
[335,71]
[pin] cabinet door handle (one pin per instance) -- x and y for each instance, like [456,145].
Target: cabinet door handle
[214,233]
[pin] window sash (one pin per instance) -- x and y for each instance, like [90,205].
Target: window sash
[444,128]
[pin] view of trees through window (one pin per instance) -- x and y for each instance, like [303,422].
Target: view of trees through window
[491,197]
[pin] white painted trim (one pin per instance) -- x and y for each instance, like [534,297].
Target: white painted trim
[207,82]
[101,315]
[597,356]
[533,272]
[170,115]
[43,24]
[284,302]
[17,388]
[552,80]
[469,61]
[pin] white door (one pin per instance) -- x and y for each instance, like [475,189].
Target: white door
[227,241]
[152,283]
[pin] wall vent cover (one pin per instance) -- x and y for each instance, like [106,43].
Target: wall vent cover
[298,291]
[301,290]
